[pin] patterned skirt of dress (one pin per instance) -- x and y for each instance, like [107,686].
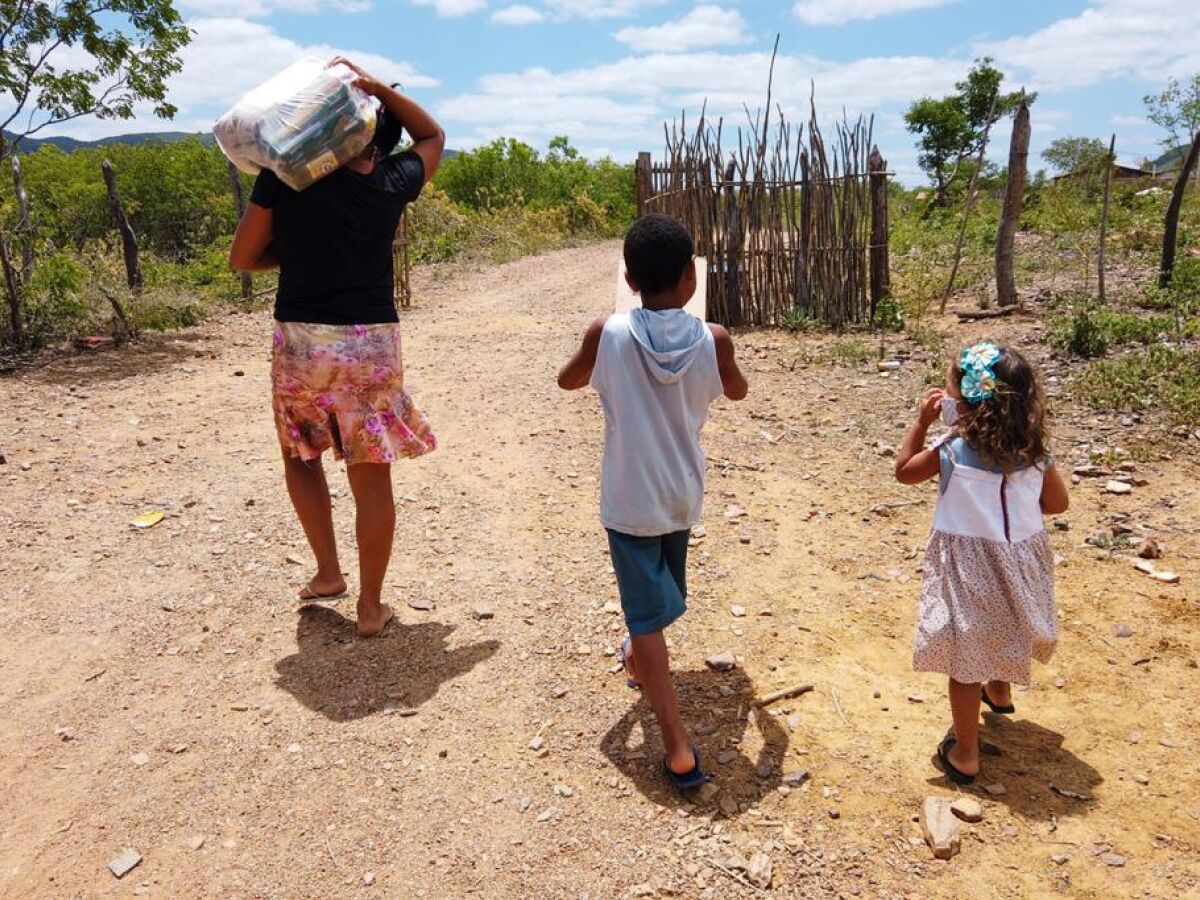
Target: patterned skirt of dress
[987,608]
[342,387]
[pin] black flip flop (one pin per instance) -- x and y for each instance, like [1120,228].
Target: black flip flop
[686,781]
[995,707]
[943,755]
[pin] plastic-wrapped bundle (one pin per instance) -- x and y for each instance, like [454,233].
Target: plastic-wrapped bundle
[303,124]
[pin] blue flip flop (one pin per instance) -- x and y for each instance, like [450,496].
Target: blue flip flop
[623,652]
[688,781]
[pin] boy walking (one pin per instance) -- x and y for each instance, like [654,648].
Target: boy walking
[657,369]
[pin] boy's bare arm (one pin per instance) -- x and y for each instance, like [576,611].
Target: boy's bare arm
[732,380]
[578,372]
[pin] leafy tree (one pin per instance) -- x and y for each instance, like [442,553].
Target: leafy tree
[1076,154]
[129,50]
[1176,111]
[132,47]
[951,128]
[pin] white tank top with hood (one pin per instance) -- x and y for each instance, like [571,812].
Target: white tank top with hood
[656,373]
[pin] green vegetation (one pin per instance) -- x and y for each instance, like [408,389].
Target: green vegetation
[950,129]
[1160,377]
[496,203]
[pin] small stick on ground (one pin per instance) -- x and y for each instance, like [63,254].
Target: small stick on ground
[897,504]
[734,875]
[785,694]
[970,315]
[838,706]
[332,858]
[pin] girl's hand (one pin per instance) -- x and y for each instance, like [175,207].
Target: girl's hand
[930,409]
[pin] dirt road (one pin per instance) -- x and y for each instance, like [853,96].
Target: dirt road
[163,691]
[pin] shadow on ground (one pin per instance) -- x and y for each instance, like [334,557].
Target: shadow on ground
[1030,761]
[344,677]
[715,708]
[151,352]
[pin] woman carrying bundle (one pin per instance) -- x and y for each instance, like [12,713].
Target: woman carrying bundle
[337,373]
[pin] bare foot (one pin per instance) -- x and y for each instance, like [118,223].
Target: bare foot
[372,620]
[319,588]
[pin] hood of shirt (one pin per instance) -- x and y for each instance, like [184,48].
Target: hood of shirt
[668,339]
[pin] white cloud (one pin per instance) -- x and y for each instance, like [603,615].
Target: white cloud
[839,12]
[452,9]
[1130,121]
[257,9]
[1146,39]
[518,14]
[703,26]
[598,9]
[625,102]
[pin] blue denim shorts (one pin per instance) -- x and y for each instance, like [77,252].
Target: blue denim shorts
[651,576]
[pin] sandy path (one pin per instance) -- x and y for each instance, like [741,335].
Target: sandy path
[201,704]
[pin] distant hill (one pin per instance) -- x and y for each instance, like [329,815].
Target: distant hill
[1171,160]
[68,145]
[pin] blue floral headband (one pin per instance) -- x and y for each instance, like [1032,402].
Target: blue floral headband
[978,364]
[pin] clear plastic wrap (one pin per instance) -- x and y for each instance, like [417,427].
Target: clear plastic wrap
[303,124]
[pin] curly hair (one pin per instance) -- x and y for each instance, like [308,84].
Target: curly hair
[1009,428]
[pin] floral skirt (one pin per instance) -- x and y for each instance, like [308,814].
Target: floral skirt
[987,608]
[342,387]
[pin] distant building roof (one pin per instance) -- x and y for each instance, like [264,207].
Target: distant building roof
[1120,173]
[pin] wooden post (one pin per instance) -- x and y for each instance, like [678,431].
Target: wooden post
[968,206]
[641,181]
[1108,175]
[133,271]
[13,290]
[804,263]
[239,202]
[1167,268]
[25,227]
[1014,194]
[734,239]
[880,279]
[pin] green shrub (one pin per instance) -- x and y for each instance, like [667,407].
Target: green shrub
[54,305]
[852,350]
[164,314]
[1151,378]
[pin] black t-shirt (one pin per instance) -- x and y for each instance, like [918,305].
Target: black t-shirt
[334,240]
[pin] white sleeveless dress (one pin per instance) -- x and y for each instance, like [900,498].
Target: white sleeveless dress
[987,601]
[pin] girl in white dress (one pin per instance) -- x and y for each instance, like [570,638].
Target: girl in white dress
[987,602]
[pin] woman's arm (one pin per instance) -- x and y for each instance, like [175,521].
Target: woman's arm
[251,250]
[914,463]
[1055,499]
[428,137]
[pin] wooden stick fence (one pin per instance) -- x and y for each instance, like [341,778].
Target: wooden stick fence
[790,227]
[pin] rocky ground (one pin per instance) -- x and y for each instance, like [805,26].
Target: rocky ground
[164,693]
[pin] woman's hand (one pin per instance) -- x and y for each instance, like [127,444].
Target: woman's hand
[365,82]
[931,407]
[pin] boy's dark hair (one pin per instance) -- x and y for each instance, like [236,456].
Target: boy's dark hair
[657,250]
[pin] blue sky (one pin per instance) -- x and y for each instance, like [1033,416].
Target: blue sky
[608,72]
